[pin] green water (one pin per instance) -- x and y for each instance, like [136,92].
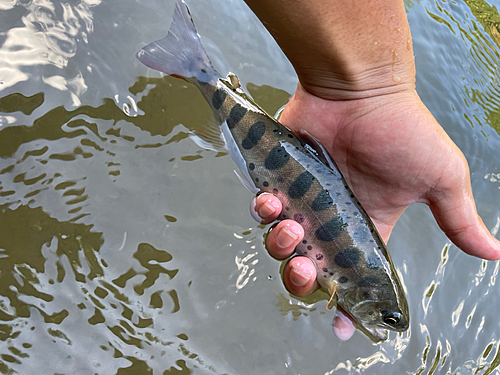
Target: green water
[125,248]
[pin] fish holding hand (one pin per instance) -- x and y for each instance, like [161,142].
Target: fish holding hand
[351,259]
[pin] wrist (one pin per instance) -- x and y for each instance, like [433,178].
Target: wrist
[360,80]
[341,49]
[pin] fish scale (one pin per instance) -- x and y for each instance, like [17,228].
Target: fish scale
[297,187]
[351,259]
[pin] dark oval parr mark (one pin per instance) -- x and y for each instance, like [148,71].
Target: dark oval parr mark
[322,201]
[330,230]
[348,258]
[277,158]
[254,135]
[301,185]
[218,98]
[236,114]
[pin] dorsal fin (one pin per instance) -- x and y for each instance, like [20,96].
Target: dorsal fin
[314,146]
[235,82]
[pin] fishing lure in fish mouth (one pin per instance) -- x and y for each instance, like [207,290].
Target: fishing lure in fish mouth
[351,259]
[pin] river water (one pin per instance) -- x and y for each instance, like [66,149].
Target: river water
[125,248]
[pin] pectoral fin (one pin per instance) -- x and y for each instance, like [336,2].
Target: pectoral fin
[246,183]
[333,297]
[311,143]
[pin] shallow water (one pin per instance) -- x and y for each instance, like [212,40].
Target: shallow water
[127,249]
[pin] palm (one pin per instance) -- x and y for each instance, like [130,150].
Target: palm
[392,153]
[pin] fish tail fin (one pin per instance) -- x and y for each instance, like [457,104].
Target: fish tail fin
[180,53]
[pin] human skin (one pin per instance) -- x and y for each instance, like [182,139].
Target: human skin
[356,94]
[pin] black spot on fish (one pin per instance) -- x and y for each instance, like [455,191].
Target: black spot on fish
[309,247]
[322,201]
[236,114]
[275,191]
[331,273]
[299,218]
[256,179]
[275,130]
[304,241]
[218,98]
[287,208]
[369,281]
[301,185]
[348,258]
[330,230]
[265,183]
[251,166]
[290,136]
[203,70]
[277,158]
[319,257]
[343,280]
[325,269]
[254,135]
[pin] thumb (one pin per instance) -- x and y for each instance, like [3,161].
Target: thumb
[455,211]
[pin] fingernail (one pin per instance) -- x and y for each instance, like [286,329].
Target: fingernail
[300,275]
[266,210]
[286,238]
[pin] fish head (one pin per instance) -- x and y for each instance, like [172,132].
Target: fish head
[376,308]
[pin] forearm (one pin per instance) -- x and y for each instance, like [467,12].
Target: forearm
[343,49]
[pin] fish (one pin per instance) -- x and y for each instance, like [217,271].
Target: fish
[352,262]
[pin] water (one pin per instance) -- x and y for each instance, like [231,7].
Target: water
[127,249]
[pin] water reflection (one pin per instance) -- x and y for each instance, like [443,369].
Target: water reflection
[49,241]
[127,249]
[40,255]
[50,36]
[481,34]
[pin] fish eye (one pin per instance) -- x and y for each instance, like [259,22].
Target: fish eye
[391,317]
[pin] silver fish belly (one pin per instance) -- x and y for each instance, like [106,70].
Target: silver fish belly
[351,259]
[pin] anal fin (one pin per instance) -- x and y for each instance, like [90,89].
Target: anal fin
[246,183]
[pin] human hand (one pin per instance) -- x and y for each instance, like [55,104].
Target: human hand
[392,152]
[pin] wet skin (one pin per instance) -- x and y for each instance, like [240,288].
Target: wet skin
[357,97]
[410,159]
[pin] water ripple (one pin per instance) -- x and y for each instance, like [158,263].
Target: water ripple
[50,36]
[481,35]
